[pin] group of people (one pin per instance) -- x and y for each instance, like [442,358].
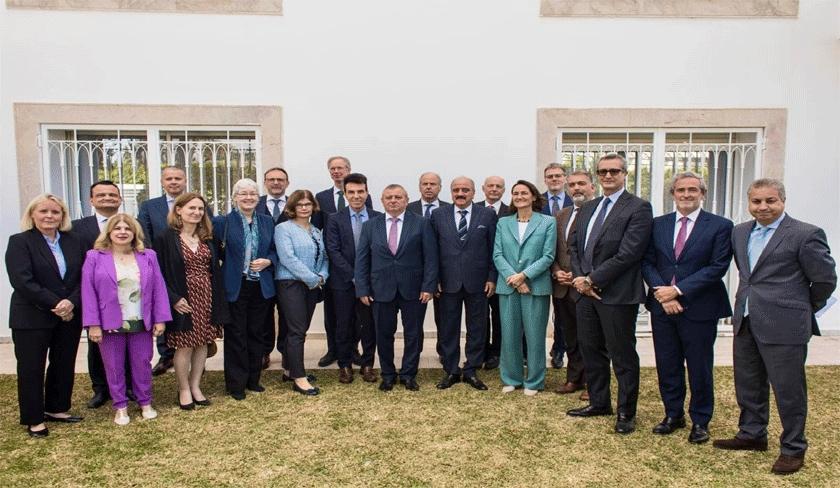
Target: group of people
[179,274]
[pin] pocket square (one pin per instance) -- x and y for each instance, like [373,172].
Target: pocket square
[481,227]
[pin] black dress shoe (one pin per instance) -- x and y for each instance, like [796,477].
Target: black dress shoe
[410,384]
[589,411]
[557,360]
[625,423]
[129,393]
[492,362]
[699,434]
[97,400]
[308,392]
[188,406]
[202,403]
[256,388]
[162,366]
[309,377]
[448,381]
[237,395]
[326,359]
[72,419]
[475,382]
[386,385]
[668,425]
[37,434]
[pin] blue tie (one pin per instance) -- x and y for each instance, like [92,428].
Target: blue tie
[428,212]
[555,205]
[462,225]
[758,240]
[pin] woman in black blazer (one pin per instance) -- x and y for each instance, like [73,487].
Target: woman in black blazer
[190,268]
[44,264]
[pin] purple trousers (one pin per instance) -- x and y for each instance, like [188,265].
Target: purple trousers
[138,346]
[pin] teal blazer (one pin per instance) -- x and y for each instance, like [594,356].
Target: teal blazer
[533,256]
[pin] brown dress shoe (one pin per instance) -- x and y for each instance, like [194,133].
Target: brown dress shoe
[368,375]
[736,444]
[788,464]
[584,396]
[345,375]
[266,361]
[568,387]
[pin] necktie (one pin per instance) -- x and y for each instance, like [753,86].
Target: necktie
[555,205]
[340,204]
[462,225]
[589,249]
[428,212]
[571,222]
[758,240]
[357,228]
[275,214]
[392,235]
[680,244]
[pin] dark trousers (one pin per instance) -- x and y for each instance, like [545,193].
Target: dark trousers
[96,370]
[449,338]
[681,344]
[274,337]
[608,333]
[493,334]
[559,344]
[297,304]
[436,312]
[32,346]
[385,318]
[565,309]
[353,322]
[244,338]
[783,367]
[165,352]
[329,321]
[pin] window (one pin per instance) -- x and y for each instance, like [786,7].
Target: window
[74,157]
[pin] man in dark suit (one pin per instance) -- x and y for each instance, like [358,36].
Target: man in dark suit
[785,275]
[464,233]
[688,255]
[564,297]
[396,271]
[273,203]
[331,201]
[556,200]
[493,189]
[105,200]
[611,237]
[353,318]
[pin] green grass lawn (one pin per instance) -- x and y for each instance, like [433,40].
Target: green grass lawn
[354,435]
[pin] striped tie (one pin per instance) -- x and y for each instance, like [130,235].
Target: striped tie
[462,225]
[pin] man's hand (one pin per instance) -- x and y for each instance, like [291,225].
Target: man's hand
[672,307]
[665,293]
[64,309]
[259,264]
[366,300]
[563,277]
[159,329]
[425,297]
[95,334]
[489,289]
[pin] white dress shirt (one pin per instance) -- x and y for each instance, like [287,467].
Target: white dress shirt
[692,219]
[458,215]
[336,196]
[613,198]
[101,220]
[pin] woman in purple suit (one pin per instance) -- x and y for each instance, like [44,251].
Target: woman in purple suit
[124,303]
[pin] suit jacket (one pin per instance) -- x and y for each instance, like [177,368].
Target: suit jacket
[413,270]
[416,207]
[233,258]
[100,300]
[326,202]
[86,231]
[562,258]
[37,284]
[567,202]
[793,278]
[533,256]
[152,217]
[468,263]
[262,208]
[168,248]
[504,210]
[341,249]
[619,248]
[699,270]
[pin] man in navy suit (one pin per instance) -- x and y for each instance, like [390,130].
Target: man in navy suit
[353,319]
[493,189]
[106,200]
[396,271]
[273,203]
[464,233]
[331,201]
[556,200]
[688,255]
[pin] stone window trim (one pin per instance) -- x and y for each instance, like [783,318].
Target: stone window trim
[772,120]
[29,117]
[671,8]
[233,7]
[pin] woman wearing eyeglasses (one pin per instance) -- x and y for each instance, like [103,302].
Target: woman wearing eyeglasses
[302,270]
[246,246]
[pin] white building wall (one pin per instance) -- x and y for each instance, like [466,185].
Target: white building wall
[406,86]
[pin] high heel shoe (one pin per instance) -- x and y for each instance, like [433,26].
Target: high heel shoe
[203,403]
[309,377]
[308,392]
[189,406]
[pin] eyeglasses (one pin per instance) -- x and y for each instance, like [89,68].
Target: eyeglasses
[611,172]
[304,204]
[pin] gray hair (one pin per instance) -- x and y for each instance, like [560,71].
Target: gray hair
[244,184]
[688,174]
[582,172]
[768,183]
[466,178]
[613,155]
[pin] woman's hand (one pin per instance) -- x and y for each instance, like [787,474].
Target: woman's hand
[182,306]
[95,334]
[158,329]
[515,280]
[260,264]
[523,289]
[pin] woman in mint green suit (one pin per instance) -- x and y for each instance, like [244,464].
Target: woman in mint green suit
[523,252]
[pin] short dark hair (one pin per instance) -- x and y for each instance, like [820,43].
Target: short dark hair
[539,201]
[356,178]
[105,183]
[275,168]
[296,196]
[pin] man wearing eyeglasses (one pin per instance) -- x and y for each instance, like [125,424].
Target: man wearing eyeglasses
[611,238]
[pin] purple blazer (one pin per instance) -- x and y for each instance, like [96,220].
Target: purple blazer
[100,304]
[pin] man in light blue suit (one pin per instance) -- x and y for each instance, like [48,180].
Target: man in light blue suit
[396,271]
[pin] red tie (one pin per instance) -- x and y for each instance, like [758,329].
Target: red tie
[680,244]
